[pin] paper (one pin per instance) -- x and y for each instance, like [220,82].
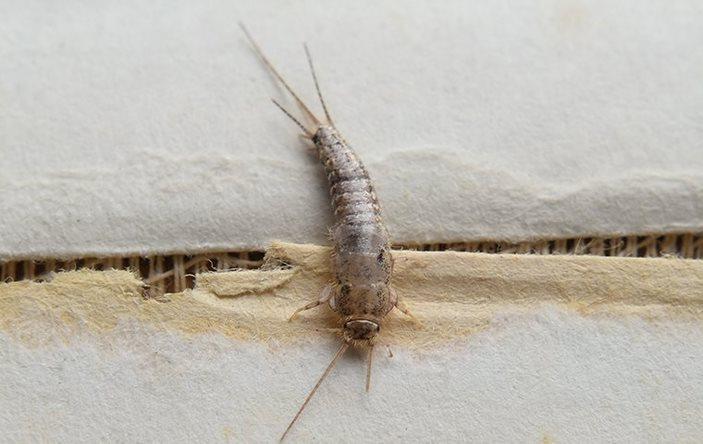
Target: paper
[146,128]
[511,348]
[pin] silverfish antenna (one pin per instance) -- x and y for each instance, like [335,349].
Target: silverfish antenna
[329,368]
[368,368]
[317,85]
[307,134]
[280,78]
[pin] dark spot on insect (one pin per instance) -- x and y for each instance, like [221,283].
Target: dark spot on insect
[379,258]
[352,239]
[344,289]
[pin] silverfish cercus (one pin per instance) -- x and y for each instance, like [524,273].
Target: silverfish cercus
[361,260]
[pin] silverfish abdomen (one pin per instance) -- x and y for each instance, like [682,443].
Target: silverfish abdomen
[362,263]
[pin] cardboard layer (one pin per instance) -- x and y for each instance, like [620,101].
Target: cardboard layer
[454,295]
[145,128]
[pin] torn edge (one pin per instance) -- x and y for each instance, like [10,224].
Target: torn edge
[175,273]
[453,294]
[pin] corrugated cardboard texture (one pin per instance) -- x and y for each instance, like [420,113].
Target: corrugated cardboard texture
[452,294]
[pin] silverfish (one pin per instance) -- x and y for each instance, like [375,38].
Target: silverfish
[361,261]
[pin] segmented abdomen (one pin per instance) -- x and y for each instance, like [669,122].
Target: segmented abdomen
[362,260]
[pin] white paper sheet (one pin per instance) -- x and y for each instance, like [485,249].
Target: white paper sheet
[551,376]
[147,128]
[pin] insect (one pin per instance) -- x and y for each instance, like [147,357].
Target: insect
[361,260]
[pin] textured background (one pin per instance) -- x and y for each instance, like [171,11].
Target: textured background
[137,127]
[147,127]
[548,376]
[513,348]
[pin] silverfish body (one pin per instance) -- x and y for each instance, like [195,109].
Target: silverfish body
[362,264]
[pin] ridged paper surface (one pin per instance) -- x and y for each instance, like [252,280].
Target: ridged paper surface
[146,127]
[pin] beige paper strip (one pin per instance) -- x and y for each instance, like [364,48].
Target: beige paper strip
[453,294]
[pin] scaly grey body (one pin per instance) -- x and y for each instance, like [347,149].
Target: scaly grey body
[361,263]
